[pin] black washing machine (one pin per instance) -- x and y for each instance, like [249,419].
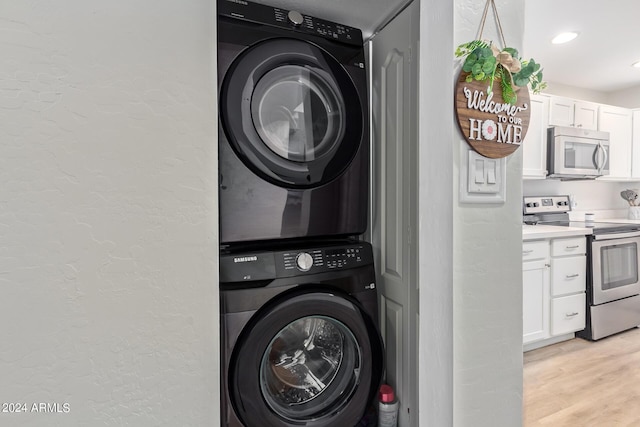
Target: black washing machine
[300,342]
[293,128]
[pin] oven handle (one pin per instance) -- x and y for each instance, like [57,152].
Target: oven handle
[615,236]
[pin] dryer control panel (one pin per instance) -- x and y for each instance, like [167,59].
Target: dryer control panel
[289,19]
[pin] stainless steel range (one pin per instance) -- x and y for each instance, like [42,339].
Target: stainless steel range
[613,263]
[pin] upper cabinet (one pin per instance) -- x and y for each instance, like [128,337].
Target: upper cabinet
[534,145]
[570,112]
[618,122]
[635,150]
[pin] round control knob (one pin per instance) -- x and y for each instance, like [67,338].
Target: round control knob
[295,17]
[304,261]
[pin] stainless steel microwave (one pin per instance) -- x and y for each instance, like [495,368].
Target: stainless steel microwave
[576,153]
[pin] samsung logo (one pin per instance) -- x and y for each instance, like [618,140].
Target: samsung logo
[244,3]
[245,259]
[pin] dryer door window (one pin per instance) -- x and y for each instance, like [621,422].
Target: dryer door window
[307,359]
[291,113]
[298,113]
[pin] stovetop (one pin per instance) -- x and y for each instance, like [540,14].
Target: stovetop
[554,210]
[596,227]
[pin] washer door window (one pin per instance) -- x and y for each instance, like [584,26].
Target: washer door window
[311,359]
[291,113]
[301,363]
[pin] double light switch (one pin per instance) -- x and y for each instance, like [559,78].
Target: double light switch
[483,179]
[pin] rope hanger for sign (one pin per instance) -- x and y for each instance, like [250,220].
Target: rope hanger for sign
[504,58]
[484,19]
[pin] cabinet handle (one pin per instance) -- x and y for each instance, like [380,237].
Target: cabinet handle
[575,313]
[528,251]
[573,247]
[571,276]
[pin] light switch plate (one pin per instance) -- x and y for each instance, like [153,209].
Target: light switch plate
[482,180]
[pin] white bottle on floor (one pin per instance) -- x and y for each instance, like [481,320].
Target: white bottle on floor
[387,407]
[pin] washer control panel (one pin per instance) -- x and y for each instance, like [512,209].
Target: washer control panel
[268,265]
[324,259]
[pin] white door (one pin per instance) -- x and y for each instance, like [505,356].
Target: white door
[635,150]
[586,115]
[534,146]
[618,122]
[394,124]
[561,111]
[535,301]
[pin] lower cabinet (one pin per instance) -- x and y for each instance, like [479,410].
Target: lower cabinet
[568,314]
[535,300]
[553,293]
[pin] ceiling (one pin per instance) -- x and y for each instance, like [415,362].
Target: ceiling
[600,57]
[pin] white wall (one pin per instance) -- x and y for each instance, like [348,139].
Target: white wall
[576,93]
[487,280]
[108,235]
[629,98]
[437,137]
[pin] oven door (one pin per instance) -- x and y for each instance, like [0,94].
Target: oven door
[615,267]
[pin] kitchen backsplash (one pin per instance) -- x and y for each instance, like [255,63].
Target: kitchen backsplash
[600,197]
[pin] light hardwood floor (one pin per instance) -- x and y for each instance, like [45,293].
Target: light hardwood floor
[580,383]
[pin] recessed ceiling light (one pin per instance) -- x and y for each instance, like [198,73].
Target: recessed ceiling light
[564,37]
[636,64]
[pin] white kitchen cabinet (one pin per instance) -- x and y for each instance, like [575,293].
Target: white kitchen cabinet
[618,122]
[635,149]
[534,145]
[535,291]
[570,112]
[569,275]
[568,285]
[553,290]
[586,115]
[535,301]
[537,249]
[568,246]
[568,314]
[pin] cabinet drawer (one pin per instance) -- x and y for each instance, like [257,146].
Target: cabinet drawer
[538,249]
[569,246]
[568,314]
[568,275]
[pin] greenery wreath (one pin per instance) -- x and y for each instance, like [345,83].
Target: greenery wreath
[484,61]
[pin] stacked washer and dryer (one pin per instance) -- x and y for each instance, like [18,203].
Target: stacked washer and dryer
[299,307]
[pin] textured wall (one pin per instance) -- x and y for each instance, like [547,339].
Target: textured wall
[488,269]
[108,230]
[437,138]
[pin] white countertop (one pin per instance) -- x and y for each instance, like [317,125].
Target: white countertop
[533,232]
[620,220]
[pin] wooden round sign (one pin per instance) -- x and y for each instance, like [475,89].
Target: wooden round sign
[491,126]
